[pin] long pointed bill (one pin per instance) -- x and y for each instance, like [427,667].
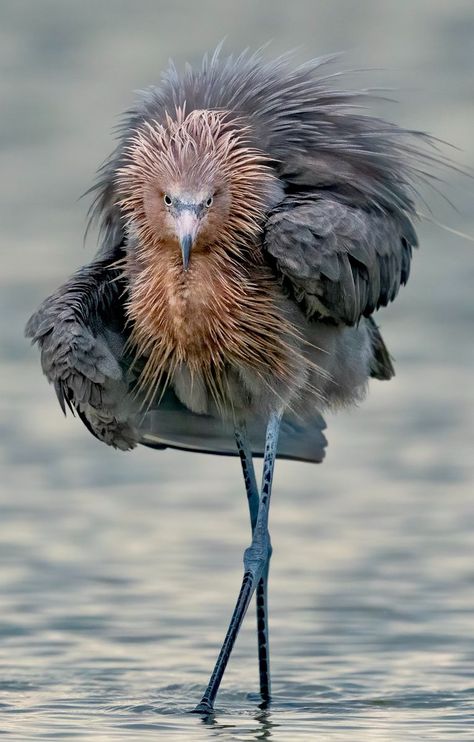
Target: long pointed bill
[186,227]
[186,245]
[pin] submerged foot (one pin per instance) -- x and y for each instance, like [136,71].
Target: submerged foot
[204,707]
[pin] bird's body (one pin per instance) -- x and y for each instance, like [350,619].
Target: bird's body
[252,221]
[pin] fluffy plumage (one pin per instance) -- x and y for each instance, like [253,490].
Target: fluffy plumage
[224,310]
[317,236]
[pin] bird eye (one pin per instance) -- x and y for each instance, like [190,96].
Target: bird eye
[209,202]
[167,200]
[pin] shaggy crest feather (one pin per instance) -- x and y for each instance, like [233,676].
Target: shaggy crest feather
[200,148]
[301,117]
[225,311]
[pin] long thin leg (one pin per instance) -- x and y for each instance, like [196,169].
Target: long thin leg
[255,562]
[253,497]
[245,453]
[262,636]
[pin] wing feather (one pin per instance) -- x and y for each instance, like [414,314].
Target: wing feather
[72,328]
[338,259]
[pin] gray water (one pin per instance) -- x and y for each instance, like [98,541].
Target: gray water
[118,572]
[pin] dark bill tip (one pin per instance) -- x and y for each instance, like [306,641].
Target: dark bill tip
[186,245]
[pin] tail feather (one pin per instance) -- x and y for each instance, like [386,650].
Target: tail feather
[172,425]
[381,366]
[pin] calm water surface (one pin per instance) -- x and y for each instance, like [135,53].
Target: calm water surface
[118,572]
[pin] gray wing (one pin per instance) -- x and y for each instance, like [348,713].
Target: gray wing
[79,330]
[337,259]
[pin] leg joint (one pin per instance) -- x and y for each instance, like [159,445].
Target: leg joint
[257,556]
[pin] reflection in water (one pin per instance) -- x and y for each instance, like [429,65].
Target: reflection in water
[109,621]
[262,729]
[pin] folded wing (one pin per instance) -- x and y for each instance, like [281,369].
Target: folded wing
[339,260]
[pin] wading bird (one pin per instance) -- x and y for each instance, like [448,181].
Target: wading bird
[252,220]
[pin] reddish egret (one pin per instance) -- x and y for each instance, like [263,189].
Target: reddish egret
[252,220]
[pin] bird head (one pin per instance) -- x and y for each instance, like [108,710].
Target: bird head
[194,183]
[185,217]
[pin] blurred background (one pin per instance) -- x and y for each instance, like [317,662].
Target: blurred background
[118,571]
